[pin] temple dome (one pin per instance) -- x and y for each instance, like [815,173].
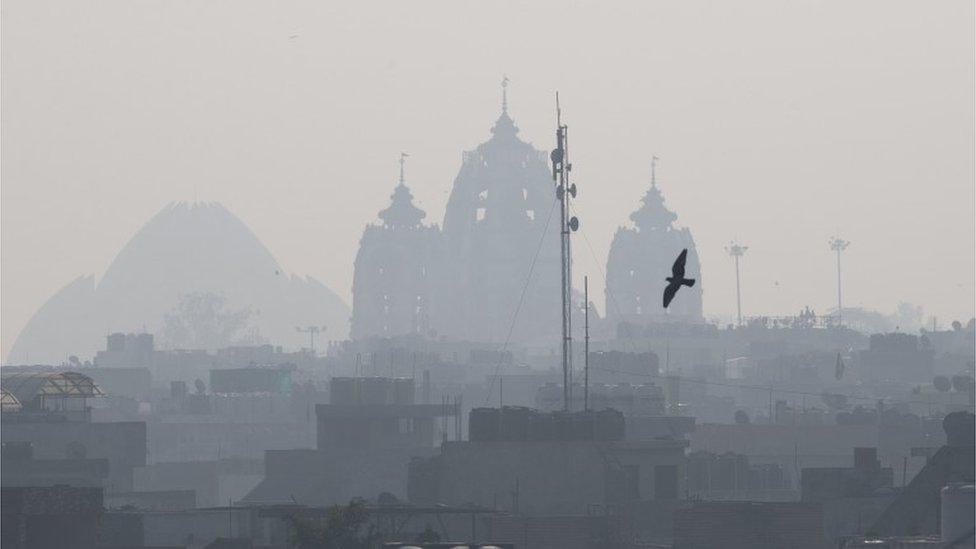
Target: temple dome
[500,207]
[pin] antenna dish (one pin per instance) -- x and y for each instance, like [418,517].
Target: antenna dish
[574,224]
[572,190]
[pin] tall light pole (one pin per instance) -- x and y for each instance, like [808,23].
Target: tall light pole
[736,250]
[838,245]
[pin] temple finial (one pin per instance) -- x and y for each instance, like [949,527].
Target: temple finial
[403,160]
[654,160]
[504,94]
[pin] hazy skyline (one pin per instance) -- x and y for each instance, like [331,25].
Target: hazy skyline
[843,118]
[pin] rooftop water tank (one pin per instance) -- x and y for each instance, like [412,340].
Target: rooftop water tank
[958,508]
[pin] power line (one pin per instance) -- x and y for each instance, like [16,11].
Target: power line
[518,308]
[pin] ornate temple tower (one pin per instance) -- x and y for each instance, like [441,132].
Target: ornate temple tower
[498,211]
[395,271]
[641,258]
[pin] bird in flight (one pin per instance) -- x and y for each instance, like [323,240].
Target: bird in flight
[677,278]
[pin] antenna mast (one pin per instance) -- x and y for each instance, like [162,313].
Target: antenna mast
[564,191]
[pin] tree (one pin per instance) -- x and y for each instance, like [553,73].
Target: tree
[962,383]
[742,418]
[941,384]
[343,527]
[202,320]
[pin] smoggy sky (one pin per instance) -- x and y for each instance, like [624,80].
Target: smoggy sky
[778,123]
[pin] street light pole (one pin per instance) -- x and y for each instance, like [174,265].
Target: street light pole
[838,245]
[736,251]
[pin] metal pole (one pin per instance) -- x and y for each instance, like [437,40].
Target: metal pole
[839,245]
[736,251]
[562,258]
[840,307]
[738,293]
[586,346]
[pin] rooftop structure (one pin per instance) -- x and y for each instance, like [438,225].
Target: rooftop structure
[552,462]
[39,391]
[8,402]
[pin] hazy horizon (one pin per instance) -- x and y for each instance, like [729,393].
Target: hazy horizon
[855,119]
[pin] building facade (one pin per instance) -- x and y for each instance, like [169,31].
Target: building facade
[396,268]
[498,248]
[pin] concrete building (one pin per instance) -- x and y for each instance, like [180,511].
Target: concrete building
[534,463]
[916,510]
[749,525]
[51,517]
[867,476]
[732,477]
[21,468]
[55,421]
[215,482]
[897,357]
[366,438]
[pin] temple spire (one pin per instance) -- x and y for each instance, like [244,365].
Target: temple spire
[504,127]
[403,160]
[402,212]
[653,214]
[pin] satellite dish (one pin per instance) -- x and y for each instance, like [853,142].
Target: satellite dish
[574,224]
[559,192]
[572,190]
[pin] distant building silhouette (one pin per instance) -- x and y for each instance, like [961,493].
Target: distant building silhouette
[495,219]
[640,259]
[396,266]
[199,249]
[466,281]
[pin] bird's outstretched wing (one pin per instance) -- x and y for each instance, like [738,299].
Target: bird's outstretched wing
[678,269]
[669,292]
